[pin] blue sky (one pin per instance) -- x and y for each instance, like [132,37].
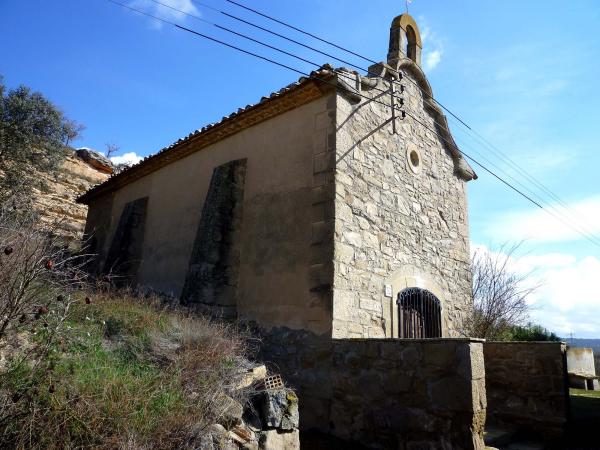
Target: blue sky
[523,74]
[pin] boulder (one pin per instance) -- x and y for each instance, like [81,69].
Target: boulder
[291,418]
[276,440]
[252,375]
[96,160]
[56,195]
[214,438]
[279,408]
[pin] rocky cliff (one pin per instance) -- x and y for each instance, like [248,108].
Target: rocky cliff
[55,202]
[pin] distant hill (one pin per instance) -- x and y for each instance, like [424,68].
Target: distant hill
[590,343]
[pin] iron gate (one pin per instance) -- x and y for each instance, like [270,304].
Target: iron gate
[419,314]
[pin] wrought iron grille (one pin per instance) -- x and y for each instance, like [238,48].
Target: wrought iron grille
[419,314]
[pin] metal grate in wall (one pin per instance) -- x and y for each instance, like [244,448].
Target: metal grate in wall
[419,314]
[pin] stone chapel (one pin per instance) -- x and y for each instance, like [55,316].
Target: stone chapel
[331,217]
[313,209]
[333,208]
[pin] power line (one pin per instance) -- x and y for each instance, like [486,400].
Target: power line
[505,158]
[557,213]
[254,40]
[481,138]
[589,238]
[218,41]
[322,40]
[302,31]
[274,33]
[368,98]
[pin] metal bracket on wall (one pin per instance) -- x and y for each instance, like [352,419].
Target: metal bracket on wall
[393,101]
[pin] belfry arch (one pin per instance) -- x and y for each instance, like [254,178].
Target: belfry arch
[405,41]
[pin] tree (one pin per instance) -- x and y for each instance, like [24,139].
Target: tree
[34,135]
[111,149]
[499,294]
[531,332]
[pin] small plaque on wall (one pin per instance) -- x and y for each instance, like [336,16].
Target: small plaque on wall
[388,290]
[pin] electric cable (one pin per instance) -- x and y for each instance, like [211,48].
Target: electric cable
[404,113]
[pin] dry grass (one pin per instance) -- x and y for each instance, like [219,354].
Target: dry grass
[130,373]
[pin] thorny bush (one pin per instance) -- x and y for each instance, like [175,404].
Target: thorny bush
[38,277]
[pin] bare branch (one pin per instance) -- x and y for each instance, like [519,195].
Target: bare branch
[500,293]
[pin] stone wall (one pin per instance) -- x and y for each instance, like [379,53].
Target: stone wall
[383,392]
[396,222]
[527,386]
[304,360]
[410,394]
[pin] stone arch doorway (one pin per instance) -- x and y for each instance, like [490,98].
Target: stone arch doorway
[419,314]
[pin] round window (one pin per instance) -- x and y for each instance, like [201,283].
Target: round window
[414,159]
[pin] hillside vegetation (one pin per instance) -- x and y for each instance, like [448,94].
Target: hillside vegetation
[123,372]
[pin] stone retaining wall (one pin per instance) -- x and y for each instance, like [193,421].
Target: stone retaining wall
[409,393]
[527,386]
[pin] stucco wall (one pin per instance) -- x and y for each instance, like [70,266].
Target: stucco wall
[527,385]
[409,393]
[283,278]
[98,231]
[395,225]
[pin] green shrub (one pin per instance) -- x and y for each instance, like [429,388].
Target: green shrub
[531,332]
[129,373]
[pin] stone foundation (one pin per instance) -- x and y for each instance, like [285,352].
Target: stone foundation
[527,386]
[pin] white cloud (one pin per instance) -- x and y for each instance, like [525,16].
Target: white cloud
[432,47]
[539,226]
[129,159]
[432,59]
[176,10]
[568,298]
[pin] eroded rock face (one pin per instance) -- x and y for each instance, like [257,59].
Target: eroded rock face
[56,203]
[96,160]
